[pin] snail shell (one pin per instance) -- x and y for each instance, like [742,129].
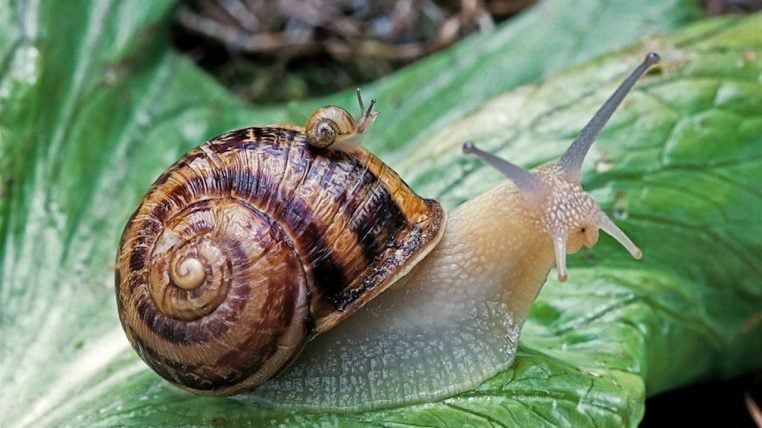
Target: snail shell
[335,128]
[252,244]
[327,124]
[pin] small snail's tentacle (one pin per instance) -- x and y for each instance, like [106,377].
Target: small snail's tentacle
[359,101]
[608,226]
[363,112]
[370,110]
[572,159]
[529,184]
[367,117]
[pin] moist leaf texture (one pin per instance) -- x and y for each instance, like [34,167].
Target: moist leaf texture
[94,105]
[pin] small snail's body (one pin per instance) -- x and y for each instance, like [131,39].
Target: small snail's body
[263,238]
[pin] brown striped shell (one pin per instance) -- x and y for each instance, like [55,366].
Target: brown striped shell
[255,242]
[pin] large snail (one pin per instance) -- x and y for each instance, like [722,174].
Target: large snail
[259,240]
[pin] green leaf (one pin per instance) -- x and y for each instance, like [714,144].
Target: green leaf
[679,167]
[94,105]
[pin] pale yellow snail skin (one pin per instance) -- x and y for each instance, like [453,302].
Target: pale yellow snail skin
[454,320]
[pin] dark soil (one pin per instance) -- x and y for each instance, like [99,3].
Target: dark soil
[730,404]
[275,50]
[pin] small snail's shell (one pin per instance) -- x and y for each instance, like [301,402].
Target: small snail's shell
[333,127]
[252,244]
[327,124]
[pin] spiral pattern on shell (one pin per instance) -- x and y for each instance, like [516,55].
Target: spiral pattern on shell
[323,133]
[252,244]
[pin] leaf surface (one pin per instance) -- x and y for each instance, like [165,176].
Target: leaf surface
[94,105]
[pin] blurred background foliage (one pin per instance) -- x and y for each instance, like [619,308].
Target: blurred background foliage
[268,51]
[290,49]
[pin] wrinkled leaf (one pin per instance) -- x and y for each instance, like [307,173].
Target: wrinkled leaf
[93,106]
[679,167]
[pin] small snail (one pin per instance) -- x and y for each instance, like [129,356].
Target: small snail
[333,127]
[256,242]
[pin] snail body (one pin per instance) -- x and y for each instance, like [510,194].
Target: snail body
[448,325]
[452,310]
